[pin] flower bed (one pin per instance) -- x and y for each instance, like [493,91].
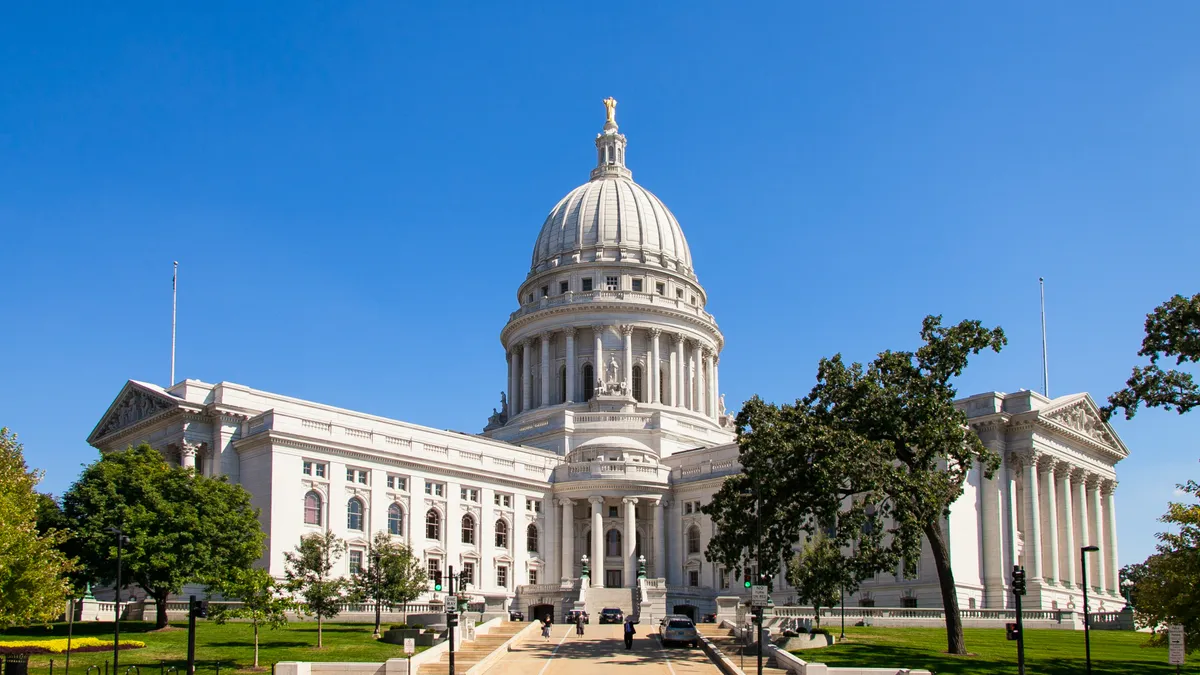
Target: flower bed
[59,646]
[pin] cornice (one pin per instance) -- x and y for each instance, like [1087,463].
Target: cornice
[591,307]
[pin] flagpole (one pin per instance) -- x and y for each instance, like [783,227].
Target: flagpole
[1045,363]
[174,295]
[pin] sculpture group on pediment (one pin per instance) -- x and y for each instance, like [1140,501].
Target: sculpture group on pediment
[1080,419]
[137,406]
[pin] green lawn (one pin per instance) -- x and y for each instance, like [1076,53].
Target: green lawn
[231,644]
[1047,652]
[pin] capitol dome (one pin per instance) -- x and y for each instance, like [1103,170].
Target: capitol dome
[611,218]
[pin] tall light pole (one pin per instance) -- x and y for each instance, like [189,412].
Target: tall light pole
[1087,640]
[758,611]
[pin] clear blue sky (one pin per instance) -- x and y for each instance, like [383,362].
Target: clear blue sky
[353,191]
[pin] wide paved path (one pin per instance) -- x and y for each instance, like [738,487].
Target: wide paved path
[600,650]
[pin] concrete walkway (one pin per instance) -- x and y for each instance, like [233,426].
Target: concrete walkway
[601,650]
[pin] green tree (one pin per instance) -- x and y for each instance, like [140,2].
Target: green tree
[1172,330]
[820,573]
[1167,590]
[182,527]
[33,583]
[867,446]
[259,593]
[309,573]
[391,575]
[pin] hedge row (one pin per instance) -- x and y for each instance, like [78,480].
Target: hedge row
[59,646]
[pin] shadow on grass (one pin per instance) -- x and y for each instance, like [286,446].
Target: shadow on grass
[262,644]
[889,656]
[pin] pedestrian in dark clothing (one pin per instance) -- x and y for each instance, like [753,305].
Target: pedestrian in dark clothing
[579,624]
[629,631]
[546,624]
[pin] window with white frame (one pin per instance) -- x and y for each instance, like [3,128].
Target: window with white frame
[660,288]
[533,576]
[433,525]
[612,283]
[723,578]
[314,469]
[395,520]
[501,534]
[356,475]
[502,576]
[435,489]
[434,566]
[312,508]
[693,577]
[469,494]
[468,529]
[356,561]
[587,284]
[469,572]
[531,538]
[637,285]
[563,287]
[502,500]
[534,505]
[395,482]
[693,540]
[354,514]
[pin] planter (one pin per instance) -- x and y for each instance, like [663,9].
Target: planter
[396,636]
[806,641]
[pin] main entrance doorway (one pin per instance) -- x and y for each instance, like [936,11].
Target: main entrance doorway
[612,578]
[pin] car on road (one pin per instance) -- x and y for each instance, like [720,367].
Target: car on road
[679,630]
[612,615]
[514,615]
[708,618]
[574,614]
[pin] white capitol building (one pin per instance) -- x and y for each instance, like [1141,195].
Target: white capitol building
[611,436]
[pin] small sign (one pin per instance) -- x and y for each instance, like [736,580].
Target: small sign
[1175,644]
[760,596]
[410,645]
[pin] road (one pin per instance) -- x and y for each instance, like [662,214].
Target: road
[600,650]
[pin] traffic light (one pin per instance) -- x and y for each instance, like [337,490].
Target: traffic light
[746,578]
[437,581]
[1018,580]
[201,609]
[1012,630]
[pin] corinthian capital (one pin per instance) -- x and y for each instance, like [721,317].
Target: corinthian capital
[654,333]
[627,329]
[569,331]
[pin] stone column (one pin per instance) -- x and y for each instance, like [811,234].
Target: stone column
[660,540]
[569,331]
[991,528]
[514,380]
[691,375]
[630,556]
[187,454]
[1050,541]
[1033,520]
[545,369]
[716,385]
[1079,494]
[702,382]
[597,541]
[1066,564]
[597,356]
[655,375]
[1098,577]
[526,376]
[1108,487]
[627,349]
[568,537]
[1009,487]
[551,544]
[676,369]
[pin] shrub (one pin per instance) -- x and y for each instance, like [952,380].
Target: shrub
[399,626]
[59,646]
[417,626]
[820,631]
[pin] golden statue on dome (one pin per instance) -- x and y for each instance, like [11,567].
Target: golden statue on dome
[610,108]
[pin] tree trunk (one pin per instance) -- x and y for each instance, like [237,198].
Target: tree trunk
[319,645]
[378,612]
[255,644]
[160,609]
[941,561]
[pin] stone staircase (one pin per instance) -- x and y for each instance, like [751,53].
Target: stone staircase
[729,645]
[470,653]
[599,598]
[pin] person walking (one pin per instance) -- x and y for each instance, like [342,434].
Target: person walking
[629,631]
[579,621]
[546,623]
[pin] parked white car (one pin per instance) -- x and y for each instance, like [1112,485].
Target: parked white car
[680,630]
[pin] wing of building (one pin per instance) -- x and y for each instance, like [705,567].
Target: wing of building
[610,436]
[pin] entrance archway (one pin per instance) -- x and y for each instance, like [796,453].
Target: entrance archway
[540,612]
[689,611]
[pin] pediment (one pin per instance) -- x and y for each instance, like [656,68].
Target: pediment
[136,403]
[1081,415]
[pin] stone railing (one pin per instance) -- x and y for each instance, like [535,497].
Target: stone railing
[708,469]
[631,470]
[633,297]
[909,616]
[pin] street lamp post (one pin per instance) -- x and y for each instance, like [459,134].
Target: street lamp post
[1087,640]
[121,541]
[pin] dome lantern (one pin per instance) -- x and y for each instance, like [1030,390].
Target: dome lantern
[610,146]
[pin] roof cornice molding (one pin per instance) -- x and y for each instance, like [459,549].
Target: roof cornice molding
[584,308]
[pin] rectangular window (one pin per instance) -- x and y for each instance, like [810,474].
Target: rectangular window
[356,558]
[693,299]
[545,291]
[612,283]
[660,288]
[356,476]
[435,489]
[320,470]
[469,572]
[531,297]
[679,293]
[533,576]
[693,577]
[435,566]
[503,500]
[564,286]
[637,285]
[308,470]
[908,603]
[397,482]
[612,512]
[687,508]
[533,505]
[469,494]
[502,576]
[724,578]
[587,285]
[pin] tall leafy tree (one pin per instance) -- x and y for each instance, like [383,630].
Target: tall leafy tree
[391,575]
[1172,330]
[182,527]
[262,603]
[1167,587]
[309,573]
[33,581]
[879,451]
[820,573]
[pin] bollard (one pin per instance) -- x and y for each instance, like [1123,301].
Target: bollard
[106,667]
[51,666]
[162,667]
[218,668]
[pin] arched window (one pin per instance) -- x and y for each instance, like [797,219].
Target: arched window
[589,382]
[637,384]
[312,509]
[395,520]
[562,384]
[354,514]
[501,534]
[433,525]
[612,543]
[693,539]
[531,538]
[468,529]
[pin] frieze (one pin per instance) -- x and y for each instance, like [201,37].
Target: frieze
[137,405]
[1079,417]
